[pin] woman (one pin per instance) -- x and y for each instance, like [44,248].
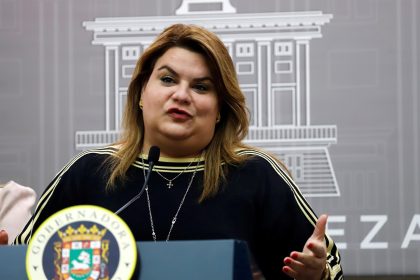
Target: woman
[185,98]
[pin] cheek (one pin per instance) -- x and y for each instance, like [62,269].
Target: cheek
[152,99]
[146,95]
[208,107]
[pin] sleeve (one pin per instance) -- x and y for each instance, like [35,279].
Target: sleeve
[16,202]
[287,220]
[333,267]
[62,192]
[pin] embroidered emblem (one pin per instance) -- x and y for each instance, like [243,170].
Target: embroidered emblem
[82,243]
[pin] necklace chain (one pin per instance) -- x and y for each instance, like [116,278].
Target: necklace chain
[180,204]
[170,184]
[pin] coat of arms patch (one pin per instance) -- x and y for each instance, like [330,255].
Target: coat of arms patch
[82,253]
[82,243]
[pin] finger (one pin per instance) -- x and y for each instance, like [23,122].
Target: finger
[300,260]
[319,231]
[289,272]
[4,238]
[317,248]
[293,264]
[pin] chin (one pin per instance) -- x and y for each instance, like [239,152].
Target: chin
[177,135]
[177,131]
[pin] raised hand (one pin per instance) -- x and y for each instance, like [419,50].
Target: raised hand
[311,262]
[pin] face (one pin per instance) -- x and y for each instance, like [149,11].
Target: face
[180,104]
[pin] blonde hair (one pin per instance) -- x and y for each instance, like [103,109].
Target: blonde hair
[232,127]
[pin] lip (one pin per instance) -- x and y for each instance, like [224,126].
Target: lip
[178,113]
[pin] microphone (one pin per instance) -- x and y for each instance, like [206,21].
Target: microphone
[152,158]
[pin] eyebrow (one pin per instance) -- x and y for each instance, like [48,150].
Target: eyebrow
[173,72]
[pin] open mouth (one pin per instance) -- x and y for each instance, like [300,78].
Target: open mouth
[179,114]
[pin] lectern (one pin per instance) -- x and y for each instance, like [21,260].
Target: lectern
[203,260]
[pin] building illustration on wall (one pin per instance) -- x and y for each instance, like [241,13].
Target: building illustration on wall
[271,53]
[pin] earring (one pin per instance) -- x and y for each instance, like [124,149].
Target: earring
[141,104]
[218,117]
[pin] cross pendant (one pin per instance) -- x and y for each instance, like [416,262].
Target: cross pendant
[169,184]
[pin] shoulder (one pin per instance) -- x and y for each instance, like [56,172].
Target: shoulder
[267,168]
[16,202]
[13,192]
[261,159]
[103,152]
[90,158]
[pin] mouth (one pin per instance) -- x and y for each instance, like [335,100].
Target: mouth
[179,114]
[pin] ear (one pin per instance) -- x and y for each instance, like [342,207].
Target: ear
[218,117]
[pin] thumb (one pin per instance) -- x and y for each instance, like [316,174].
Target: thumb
[319,231]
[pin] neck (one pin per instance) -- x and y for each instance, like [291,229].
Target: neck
[173,153]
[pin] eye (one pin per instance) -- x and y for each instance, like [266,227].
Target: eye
[201,88]
[167,80]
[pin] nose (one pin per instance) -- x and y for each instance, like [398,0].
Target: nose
[182,94]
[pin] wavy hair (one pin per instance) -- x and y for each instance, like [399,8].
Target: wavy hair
[232,127]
